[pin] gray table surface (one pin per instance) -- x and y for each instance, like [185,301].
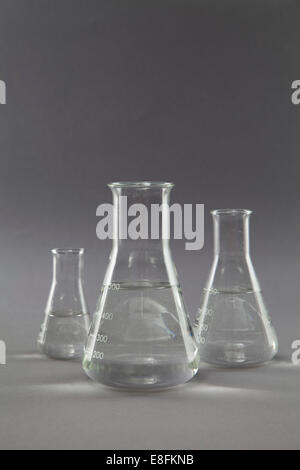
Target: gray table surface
[48,404]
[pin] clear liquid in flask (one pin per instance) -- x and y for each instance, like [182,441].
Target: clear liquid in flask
[64,336]
[235,329]
[139,342]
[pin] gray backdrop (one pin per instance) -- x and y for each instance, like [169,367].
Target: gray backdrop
[194,92]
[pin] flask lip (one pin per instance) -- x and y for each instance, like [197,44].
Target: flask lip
[231,212]
[62,251]
[140,184]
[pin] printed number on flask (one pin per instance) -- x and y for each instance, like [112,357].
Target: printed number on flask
[98,355]
[102,338]
[113,286]
[107,316]
[203,327]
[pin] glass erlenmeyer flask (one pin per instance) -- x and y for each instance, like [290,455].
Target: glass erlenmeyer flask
[64,330]
[140,335]
[233,327]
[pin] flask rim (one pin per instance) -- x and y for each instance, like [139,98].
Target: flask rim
[231,212]
[61,251]
[140,184]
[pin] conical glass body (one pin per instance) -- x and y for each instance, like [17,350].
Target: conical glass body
[233,327]
[140,336]
[64,330]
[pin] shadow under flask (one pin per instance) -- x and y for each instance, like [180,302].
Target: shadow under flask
[64,330]
[140,336]
[233,327]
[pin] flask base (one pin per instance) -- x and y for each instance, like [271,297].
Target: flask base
[236,354]
[65,352]
[145,373]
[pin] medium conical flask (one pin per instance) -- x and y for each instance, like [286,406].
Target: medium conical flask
[64,330]
[233,327]
[140,336]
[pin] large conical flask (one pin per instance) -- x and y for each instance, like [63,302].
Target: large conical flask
[233,327]
[64,330]
[140,336]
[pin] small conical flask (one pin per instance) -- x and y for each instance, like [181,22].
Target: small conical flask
[233,327]
[64,330]
[140,336]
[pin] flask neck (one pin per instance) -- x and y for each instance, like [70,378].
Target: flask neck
[67,265]
[231,233]
[141,217]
